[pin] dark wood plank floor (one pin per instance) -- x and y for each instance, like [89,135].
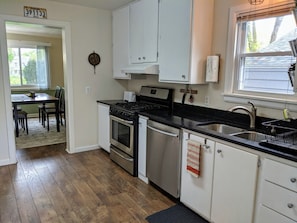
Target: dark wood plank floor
[50,185]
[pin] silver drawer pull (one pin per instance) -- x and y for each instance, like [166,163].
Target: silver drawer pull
[293,180]
[290,205]
[205,146]
[219,151]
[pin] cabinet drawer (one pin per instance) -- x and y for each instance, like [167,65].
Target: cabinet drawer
[280,174]
[280,199]
[268,215]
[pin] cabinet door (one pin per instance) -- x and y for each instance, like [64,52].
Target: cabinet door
[196,191]
[235,173]
[144,31]
[103,127]
[174,40]
[142,124]
[136,32]
[120,37]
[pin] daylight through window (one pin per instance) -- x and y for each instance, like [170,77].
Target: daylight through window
[28,67]
[263,52]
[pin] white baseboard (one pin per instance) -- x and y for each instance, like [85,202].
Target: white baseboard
[82,149]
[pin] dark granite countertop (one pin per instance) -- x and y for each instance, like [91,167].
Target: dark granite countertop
[192,117]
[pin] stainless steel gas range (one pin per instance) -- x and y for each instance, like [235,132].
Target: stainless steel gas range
[124,124]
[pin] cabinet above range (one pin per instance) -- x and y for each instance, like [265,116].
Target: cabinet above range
[135,39]
[143,31]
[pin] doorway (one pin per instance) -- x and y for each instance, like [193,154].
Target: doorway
[35,57]
[64,29]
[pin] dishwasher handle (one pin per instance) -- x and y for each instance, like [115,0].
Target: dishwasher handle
[163,132]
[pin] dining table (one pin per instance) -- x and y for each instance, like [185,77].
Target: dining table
[38,98]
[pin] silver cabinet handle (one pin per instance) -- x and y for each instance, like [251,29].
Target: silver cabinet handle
[162,132]
[184,76]
[205,146]
[219,151]
[290,205]
[293,180]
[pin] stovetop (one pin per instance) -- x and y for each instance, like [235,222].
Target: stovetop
[130,110]
[137,106]
[150,98]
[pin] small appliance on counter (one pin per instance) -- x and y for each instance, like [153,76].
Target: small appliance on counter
[129,96]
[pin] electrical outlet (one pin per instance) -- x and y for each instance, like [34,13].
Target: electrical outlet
[87,90]
[206,100]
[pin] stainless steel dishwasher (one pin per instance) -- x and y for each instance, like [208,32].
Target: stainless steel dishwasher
[164,157]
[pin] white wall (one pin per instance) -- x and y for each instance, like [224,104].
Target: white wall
[90,31]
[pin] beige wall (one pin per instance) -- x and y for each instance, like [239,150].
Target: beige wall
[219,46]
[90,31]
[55,55]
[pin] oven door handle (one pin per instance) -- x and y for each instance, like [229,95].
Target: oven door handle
[128,159]
[162,132]
[121,120]
[128,122]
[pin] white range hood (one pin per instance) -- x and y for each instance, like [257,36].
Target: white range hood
[141,69]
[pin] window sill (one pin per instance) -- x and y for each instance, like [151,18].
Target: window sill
[273,103]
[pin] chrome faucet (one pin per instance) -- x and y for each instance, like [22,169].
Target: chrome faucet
[252,113]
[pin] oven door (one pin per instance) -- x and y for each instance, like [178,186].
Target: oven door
[121,134]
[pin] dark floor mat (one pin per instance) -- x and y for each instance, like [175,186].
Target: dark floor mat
[176,214]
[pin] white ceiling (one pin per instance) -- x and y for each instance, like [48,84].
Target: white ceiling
[100,4]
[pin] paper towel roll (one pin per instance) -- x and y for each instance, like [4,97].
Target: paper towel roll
[212,69]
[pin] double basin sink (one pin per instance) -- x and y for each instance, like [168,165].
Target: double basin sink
[235,131]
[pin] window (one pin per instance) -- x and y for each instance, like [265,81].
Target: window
[261,56]
[28,66]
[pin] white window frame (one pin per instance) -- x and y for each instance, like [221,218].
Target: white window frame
[30,44]
[275,101]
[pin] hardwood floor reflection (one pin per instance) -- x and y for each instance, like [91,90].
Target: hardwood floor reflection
[50,185]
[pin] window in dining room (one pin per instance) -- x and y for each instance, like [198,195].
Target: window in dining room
[28,66]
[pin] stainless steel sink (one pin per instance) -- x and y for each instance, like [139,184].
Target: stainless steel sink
[222,128]
[235,131]
[251,135]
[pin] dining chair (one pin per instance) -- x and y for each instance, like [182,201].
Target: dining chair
[46,112]
[49,105]
[23,120]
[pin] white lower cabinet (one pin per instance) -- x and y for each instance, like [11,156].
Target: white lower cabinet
[234,185]
[142,124]
[103,127]
[278,194]
[225,190]
[196,191]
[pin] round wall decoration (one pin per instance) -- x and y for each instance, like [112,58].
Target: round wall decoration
[94,60]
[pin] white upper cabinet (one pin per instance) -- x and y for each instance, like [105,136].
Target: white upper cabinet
[184,41]
[120,37]
[143,31]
